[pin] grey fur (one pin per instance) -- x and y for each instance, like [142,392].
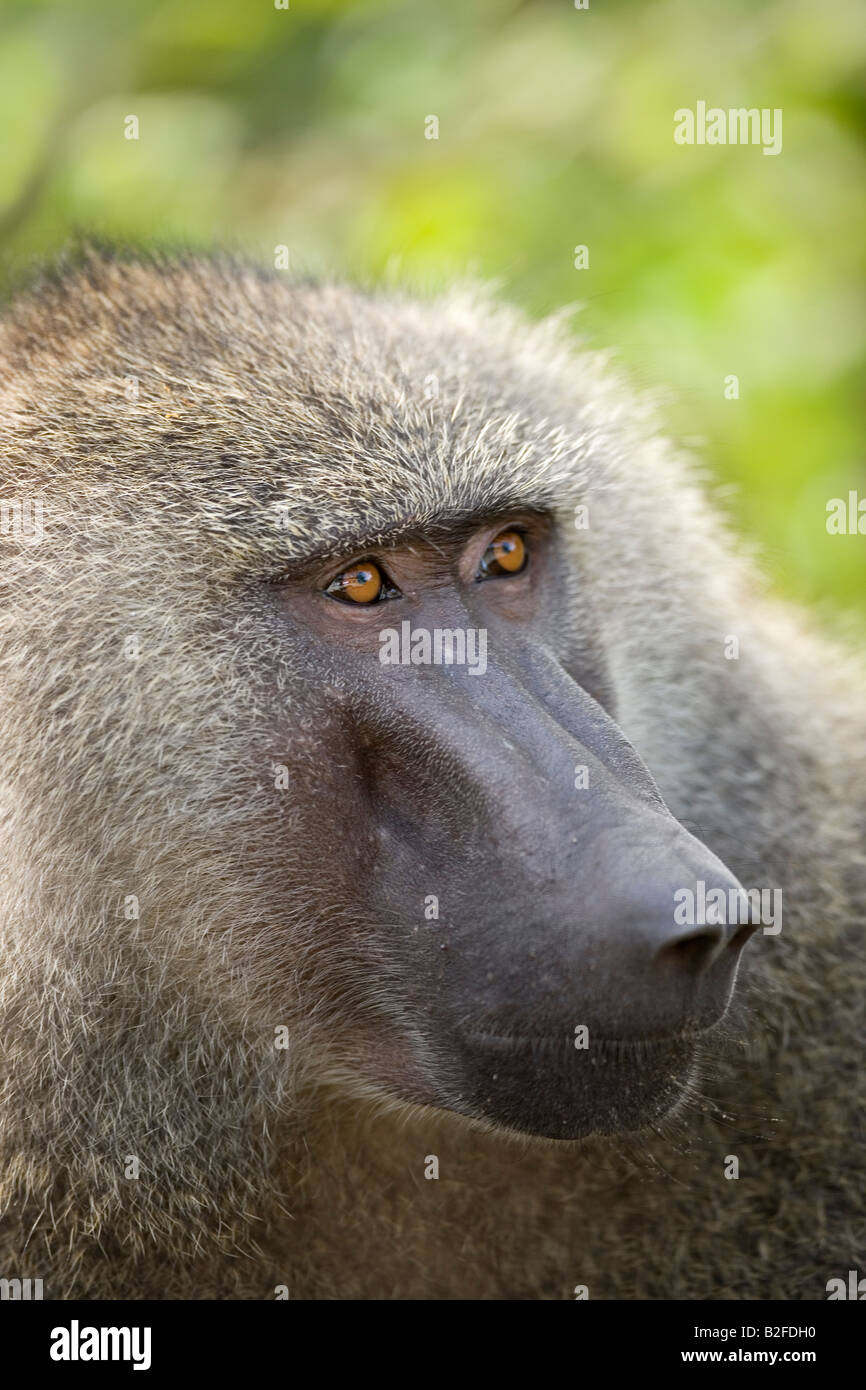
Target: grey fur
[151,777]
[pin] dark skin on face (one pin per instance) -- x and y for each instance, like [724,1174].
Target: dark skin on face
[555,902]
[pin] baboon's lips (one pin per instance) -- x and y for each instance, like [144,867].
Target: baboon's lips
[545,1086]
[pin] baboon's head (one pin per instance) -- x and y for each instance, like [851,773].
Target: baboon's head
[323,683]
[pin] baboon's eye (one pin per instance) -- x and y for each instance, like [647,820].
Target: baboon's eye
[504,555]
[363,583]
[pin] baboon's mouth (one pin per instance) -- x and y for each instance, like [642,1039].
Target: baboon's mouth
[544,1085]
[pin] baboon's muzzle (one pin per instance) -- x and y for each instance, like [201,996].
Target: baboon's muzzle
[558,988]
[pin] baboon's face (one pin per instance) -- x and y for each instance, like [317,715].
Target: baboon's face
[496,865]
[454,879]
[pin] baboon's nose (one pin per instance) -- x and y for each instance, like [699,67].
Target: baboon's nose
[655,936]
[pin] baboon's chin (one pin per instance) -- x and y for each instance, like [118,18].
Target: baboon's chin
[548,1089]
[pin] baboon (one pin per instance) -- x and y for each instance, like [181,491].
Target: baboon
[344,976]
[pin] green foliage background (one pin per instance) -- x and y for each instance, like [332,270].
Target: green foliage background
[262,126]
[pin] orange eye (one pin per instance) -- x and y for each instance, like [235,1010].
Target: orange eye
[505,555]
[363,583]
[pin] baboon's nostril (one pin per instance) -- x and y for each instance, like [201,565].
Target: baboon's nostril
[696,950]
